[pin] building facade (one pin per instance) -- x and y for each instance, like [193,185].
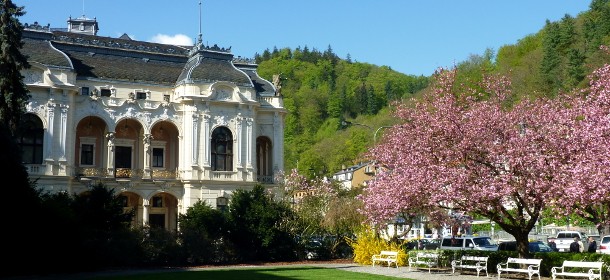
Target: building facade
[165,126]
[355,176]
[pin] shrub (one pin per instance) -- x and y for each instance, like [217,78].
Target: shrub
[368,243]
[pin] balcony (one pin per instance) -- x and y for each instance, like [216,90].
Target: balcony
[265,179]
[270,101]
[224,176]
[128,173]
[90,172]
[164,174]
[35,169]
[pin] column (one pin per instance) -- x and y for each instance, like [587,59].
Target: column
[239,140]
[195,140]
[49,153]
[206,139]
[251,144]
[63,132]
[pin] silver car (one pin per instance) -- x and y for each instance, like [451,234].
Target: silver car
[604,245]
[482,243]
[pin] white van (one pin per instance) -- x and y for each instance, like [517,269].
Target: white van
[482,243]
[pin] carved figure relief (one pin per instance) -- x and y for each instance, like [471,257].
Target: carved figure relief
[277,82]
[223,94]
[32,77]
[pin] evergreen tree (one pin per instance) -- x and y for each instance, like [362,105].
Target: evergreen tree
[24,226]
[596,25]
[567,34]
[389,92]
[372,104]
[330,55]
[576,68]
[13,93]
[348,58]
[258,226]
[551,59]
[202,232]
[361,99]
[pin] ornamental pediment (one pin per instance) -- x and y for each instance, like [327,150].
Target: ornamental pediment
[222,93]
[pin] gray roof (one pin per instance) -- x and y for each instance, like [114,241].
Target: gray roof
[124,59]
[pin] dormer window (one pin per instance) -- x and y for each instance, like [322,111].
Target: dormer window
[105,92]
[141,95]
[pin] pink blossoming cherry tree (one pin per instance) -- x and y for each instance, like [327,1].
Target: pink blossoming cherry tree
[463,149]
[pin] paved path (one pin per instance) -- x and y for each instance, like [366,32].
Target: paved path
[400,272]
[403,272]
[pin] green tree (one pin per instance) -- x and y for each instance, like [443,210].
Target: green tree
[372,104]
[102,224]
[551,60]
[25,225]
[567,34]
[202,231]
[596,25]
[13,93]
[576,68]
[259,226]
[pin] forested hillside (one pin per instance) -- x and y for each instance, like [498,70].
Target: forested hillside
[322,90]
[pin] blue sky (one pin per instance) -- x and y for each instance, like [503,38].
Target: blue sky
[412,37]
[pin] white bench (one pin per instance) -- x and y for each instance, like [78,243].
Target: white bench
[422,258]
[470,262]
[591,270]
[516,265]
[386,256]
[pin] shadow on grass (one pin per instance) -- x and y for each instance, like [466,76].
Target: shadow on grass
[247,273]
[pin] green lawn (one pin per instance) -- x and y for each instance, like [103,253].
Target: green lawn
[268,273]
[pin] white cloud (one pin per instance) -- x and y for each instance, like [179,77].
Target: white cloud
[178,39]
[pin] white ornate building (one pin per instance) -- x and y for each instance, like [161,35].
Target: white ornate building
[164,125]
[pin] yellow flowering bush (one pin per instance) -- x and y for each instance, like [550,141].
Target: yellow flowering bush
[367,243]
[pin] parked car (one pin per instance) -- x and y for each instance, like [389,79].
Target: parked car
[312,249]
[482,243]
[604,245]
[534,246]
[423,244]
[432,244]
[566,237]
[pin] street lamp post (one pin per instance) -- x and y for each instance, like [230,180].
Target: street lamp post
[346,123]
[375,135]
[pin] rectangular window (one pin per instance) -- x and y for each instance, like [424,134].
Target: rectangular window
[86,154]
[84,91]
[124,200]
[105,92]
[157,201]
[141,95]
[157,157]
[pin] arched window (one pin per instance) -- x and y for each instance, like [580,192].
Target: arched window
[30,139]
[222,149]
[264,171]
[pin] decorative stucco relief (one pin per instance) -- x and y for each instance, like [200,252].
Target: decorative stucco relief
[32,77]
